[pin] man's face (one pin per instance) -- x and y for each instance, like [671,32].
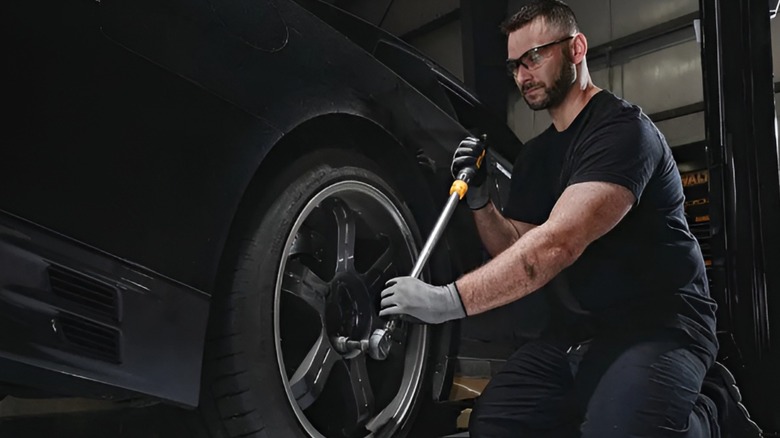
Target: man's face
[546,84]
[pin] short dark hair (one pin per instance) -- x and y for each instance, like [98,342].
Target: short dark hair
[555,12]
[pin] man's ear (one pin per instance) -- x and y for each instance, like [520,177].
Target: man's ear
[579,48]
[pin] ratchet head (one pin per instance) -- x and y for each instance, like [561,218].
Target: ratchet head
[380,342]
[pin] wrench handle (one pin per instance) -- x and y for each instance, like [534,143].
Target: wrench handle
[433,238]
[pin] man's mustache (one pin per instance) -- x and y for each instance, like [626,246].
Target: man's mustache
[530,86]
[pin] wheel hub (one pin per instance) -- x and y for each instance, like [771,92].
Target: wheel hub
[349,309]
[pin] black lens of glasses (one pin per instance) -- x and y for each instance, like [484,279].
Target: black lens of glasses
[511,67]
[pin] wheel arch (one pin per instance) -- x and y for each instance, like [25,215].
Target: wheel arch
[394,161]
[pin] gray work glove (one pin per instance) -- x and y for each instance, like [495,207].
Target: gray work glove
[420,300]
[466,155]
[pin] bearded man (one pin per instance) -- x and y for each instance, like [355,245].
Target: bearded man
[594,218]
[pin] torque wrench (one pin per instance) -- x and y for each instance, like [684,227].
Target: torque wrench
[380,341]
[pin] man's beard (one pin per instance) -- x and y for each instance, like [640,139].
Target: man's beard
[554,95]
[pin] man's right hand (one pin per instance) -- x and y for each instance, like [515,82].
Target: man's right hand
[466,155]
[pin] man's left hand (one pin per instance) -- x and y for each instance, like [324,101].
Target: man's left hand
[420,300]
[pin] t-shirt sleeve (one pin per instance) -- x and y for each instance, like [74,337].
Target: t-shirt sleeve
[625,152]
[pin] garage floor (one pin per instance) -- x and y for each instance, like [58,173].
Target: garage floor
[148,422]
[21,418]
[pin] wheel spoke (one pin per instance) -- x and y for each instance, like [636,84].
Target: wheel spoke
[361,393]
[375,277]
[345,228]
[309,242]
[305,284]
[309,379]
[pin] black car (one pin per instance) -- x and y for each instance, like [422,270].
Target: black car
[200,201]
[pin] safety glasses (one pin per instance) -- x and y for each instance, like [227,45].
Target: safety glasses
[531,59]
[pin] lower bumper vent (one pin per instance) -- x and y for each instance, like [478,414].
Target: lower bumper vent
[87,338]
[85,291]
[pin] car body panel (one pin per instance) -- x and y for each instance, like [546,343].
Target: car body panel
[221,120]
[71,310]
[137,129]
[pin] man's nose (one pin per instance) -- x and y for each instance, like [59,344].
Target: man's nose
[521,76]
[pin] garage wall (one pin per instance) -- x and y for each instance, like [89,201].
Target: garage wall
[432,26]
[413,19]
[444,46]
[661,74]
[775,29]
[405,16]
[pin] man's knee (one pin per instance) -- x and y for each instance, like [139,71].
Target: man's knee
[477,421]
[486,423]
[527,395]
[649,390]
[492,418]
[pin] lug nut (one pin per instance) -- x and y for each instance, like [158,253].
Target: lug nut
[343,344]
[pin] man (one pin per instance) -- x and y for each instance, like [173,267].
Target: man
[595,217]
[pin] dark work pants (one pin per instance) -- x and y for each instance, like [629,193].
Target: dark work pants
[617,386]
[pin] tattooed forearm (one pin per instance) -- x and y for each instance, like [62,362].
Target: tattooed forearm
[529,268]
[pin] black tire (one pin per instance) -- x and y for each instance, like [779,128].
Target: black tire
[285,281]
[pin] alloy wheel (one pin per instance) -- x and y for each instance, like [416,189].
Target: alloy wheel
[348,240]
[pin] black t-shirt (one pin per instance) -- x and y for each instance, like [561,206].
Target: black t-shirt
[646,272]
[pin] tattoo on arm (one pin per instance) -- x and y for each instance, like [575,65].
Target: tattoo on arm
[530,269]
